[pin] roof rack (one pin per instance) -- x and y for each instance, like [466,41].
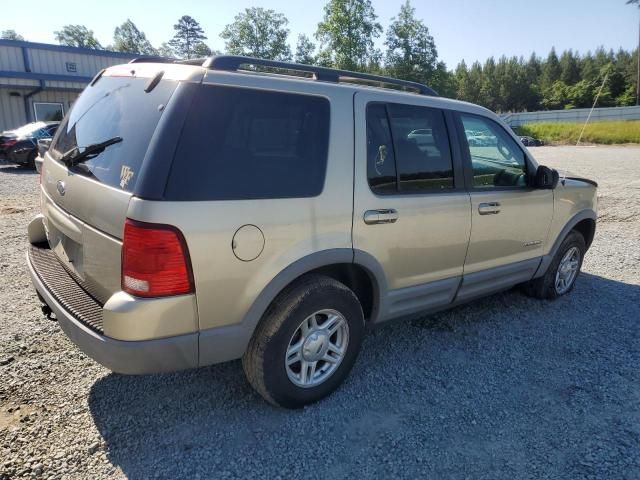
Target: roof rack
[234,63]
[153,59]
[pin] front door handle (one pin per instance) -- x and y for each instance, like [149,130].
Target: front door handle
[490,208]
[373,217]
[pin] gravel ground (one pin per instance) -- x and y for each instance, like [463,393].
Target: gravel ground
[507,387]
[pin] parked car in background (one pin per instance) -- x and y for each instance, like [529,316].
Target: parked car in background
[531,142]
[23,148]
[480,138]
[7,138]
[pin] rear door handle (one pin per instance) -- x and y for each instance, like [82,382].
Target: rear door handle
[373,217]
[490,208]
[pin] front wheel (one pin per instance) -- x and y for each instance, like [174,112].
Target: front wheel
[307,342]
[560,277]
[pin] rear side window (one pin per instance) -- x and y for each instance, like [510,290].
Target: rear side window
[240,143]
[407,149]
[422,148]
[114,107]
[381,162]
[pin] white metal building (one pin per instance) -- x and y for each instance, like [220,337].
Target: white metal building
[39,81]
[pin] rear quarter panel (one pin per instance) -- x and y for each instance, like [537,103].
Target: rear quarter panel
[226,287]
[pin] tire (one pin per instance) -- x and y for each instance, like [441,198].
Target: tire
[31,161]
[265,361]
[545,287]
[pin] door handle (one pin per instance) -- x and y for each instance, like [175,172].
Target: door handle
[490,208]
[373,217]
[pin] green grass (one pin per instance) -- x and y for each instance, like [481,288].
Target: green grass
[608,133]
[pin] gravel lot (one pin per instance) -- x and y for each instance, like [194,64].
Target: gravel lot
[507,387]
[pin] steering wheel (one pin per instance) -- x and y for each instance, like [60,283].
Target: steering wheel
[504,151]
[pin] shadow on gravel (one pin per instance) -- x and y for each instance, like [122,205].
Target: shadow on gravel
[508,387]
[16,169]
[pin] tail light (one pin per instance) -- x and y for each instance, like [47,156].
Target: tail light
[10,142]
[155,260]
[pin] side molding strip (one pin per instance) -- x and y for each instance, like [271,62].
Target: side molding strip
[479,284]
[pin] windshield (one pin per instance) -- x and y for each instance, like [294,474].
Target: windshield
[113,107]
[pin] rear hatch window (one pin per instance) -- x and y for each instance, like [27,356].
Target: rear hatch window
[113,107]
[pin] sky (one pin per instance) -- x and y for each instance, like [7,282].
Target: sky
[468,30]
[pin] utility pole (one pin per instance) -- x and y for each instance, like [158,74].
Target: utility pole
[637,2]
[638,55]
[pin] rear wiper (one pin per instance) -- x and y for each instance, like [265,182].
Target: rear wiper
[73,157]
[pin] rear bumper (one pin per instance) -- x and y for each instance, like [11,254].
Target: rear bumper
[130,357]
[128,334]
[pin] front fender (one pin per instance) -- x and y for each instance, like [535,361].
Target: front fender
[586,214]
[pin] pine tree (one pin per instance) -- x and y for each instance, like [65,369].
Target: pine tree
[188,34]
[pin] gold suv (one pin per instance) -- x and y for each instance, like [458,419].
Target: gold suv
[206,211]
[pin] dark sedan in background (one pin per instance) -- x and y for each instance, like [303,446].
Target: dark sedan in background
[531,142]
[20,146]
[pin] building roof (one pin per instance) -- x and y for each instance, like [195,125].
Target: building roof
[41,65]
[65,48]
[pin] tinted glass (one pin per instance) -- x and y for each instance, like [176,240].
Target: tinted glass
[496,158]
[239,143]
[114,106]
[421,142]
[381,165]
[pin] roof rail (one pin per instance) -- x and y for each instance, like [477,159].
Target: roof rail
[157,59]
[233,63]
[151,59]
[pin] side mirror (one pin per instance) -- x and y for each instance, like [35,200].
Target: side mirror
[546,178]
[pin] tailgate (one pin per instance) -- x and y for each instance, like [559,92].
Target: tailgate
[84,227]
[85,203]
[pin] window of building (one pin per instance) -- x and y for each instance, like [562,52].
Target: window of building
[48,112]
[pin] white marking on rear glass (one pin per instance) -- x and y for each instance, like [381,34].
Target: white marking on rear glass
[126,174]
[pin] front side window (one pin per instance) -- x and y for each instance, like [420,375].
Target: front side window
[240,143]
[407,149]
[496,159]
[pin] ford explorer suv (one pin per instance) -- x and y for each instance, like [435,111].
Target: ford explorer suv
[230,208]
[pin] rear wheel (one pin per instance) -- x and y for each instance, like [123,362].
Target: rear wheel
[307,342]
[560,277]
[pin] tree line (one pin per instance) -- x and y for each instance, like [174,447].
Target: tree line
[345,38]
